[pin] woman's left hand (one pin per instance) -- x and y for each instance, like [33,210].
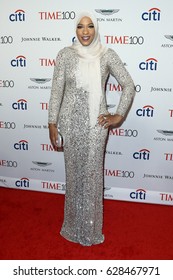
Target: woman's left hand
[110,120]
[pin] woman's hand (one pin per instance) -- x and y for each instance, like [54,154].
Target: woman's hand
[109,120]
[53,135]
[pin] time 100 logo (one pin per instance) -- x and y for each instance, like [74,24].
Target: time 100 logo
[6,40]
[7,83]
[7,125]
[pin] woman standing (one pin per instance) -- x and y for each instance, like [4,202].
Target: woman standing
[78,105]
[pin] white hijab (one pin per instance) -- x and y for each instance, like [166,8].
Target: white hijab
[88,75]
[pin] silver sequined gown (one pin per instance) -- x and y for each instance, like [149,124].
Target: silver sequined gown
[84,146]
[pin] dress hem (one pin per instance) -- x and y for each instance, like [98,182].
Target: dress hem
[69,238]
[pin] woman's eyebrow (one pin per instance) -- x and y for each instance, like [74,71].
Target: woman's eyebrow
[80,24]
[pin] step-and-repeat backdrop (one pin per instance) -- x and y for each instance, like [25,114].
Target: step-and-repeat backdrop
[139,155]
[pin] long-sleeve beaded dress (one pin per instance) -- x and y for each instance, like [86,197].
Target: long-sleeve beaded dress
[84,145]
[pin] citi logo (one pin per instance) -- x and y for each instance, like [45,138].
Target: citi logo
[143,154]
[23,182]
[138,194]
[19,15]
[47,62]
[19,61]
[21,104]
[146,111]
[21,145]
[149,64]
[153,14]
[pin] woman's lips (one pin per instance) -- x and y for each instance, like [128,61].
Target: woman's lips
[85,38]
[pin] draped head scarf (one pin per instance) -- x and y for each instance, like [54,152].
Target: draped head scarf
[88,74]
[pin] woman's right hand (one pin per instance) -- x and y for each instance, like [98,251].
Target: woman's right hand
[53,135]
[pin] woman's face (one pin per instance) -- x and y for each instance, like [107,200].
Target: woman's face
[85,31]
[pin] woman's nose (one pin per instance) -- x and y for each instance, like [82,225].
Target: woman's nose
[85,30]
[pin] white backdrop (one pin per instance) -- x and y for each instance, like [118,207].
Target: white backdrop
[139,155]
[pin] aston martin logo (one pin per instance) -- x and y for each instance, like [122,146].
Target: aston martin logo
[41,164]
[107,12]
[40,81]
[166,132]
[107,188]
[170,37]
[3,182]
[109,106]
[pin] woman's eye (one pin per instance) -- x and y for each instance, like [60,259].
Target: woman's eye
[79,26]
[91,26]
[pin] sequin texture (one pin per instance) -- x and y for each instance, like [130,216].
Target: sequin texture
[84,145]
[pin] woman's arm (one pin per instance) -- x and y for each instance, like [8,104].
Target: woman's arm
[119,72]
[57,90]
[56,96]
